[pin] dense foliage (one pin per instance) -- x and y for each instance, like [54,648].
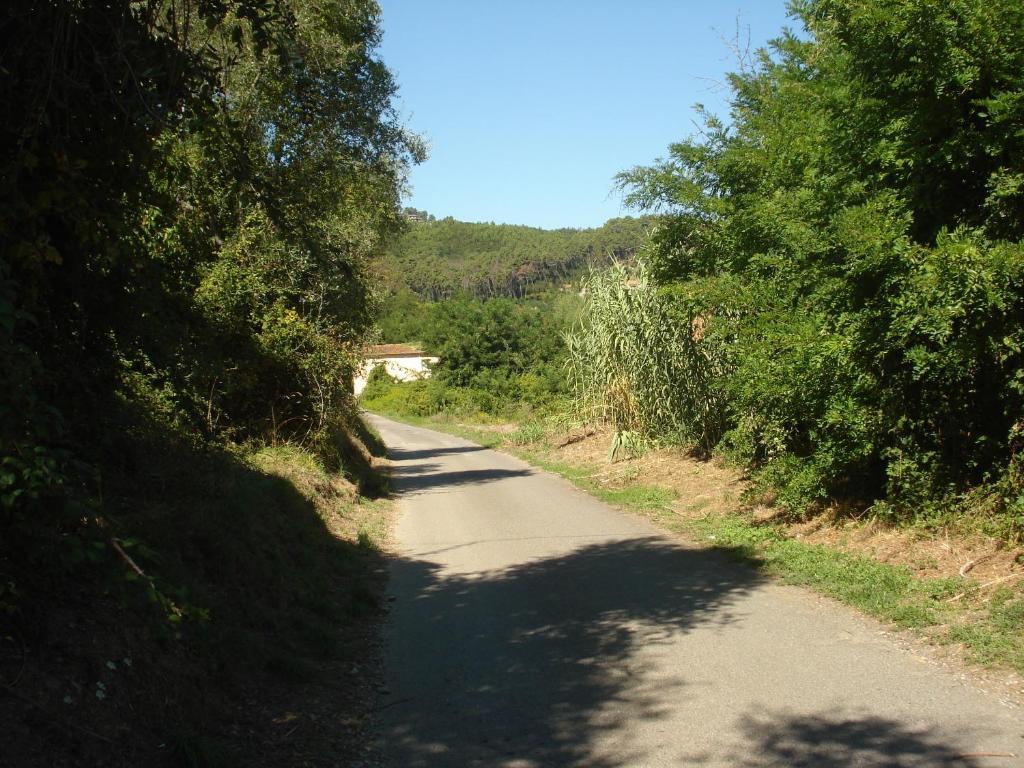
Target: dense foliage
[190,196]
[439,259]
[635,364]
[847,250]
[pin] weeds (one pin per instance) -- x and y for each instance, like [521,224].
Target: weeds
[527,434]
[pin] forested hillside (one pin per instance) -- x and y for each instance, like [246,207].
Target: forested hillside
[441,258]
[190,197]
[493,302]
[836,293]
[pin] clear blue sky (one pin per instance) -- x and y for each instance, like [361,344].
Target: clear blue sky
[530,108]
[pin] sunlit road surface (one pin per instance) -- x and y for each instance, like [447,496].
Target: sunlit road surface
[532,625]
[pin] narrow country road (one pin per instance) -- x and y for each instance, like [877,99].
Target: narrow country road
[532,625]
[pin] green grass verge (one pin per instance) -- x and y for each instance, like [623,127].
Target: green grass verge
[886,591]
[650,499]
[992,631]
[999,636]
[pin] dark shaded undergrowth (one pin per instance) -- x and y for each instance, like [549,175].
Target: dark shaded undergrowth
[187,615]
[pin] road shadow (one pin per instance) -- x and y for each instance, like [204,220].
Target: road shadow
[407,454]
[825,741]
[412,472]
[423,478]
[535,662]
[550,662]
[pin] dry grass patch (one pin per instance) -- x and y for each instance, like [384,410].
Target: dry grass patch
[702,487]
[709,487]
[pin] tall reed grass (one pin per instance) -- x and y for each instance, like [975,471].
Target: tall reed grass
[639,364]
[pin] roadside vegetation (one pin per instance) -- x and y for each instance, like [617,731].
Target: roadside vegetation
[845,258]
[831,304]
[499,359]
[192,194]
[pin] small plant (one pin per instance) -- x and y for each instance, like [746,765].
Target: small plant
[527,434]
[626,444]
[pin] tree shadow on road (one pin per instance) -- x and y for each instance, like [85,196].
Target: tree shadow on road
[424,478]
[414,473]
[839,742]
[409,454]
[534,663]
[555,662]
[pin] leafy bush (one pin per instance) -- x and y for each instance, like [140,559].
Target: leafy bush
[414,398]
[849,248]
[497,357]
[378,383]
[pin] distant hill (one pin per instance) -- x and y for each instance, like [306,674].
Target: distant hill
[437,259]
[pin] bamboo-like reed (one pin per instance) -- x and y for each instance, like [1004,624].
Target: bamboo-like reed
[635,366]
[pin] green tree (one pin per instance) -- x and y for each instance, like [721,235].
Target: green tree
[850,244]
[478,340]
[190,197]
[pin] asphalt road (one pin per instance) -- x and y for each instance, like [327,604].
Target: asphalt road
[532,625]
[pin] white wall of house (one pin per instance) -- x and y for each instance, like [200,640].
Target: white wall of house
[400,367]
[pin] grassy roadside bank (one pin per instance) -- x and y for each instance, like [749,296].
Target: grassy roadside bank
[222,612]
[975,612]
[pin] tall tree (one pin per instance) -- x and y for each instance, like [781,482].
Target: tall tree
[190,193]
[850,245]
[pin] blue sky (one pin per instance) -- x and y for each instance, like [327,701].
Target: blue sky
[530,108]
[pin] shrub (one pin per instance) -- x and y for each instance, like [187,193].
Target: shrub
[848,247]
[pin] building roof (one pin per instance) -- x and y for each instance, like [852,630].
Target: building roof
[393,350]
